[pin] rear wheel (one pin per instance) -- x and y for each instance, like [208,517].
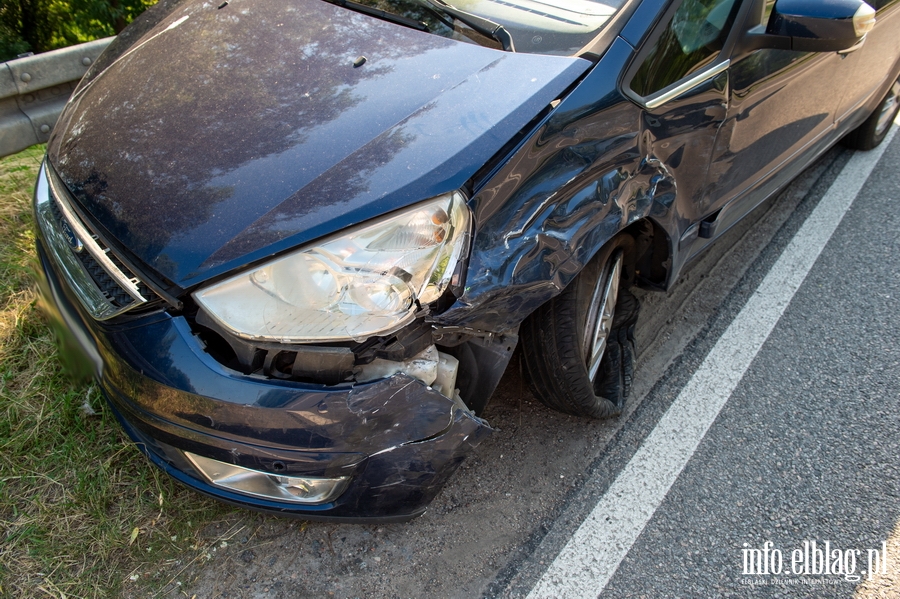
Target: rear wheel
[873,131]
[579,347]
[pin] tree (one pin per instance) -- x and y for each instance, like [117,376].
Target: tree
[41,25]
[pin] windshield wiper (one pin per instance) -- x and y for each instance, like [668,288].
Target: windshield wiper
[380,14]
[481,25]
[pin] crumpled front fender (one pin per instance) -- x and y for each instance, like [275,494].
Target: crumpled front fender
[581,178]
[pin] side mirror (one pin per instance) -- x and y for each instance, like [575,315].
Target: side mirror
[821,25]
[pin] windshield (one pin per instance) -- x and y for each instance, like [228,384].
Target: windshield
[537,26]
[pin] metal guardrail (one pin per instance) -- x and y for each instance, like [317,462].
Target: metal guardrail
[33,91]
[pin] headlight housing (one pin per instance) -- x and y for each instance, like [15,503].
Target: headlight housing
[364,282]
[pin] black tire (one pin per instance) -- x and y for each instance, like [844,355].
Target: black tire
[872,132]
[556,349]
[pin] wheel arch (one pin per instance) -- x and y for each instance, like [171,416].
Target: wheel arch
[509,302]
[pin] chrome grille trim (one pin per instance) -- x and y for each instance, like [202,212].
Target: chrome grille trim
[50,193]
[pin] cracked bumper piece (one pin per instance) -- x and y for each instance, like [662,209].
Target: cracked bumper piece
[391,443]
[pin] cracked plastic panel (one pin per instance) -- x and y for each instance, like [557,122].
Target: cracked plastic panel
[397,439]
[357,418]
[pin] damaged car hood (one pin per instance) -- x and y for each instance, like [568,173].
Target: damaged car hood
[228,134]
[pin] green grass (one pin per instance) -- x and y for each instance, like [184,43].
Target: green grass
[82,512]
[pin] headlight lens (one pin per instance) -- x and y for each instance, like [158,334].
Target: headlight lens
[362,283]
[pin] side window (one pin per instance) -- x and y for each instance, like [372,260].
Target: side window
[691,41]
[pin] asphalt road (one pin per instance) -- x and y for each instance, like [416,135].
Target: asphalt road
[723,486]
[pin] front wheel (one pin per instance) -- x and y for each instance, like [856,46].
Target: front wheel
[873,131]
[579,347]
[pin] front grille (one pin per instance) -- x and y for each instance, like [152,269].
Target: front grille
[113,292]
[103,282]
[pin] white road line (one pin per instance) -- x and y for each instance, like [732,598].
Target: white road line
[590,558]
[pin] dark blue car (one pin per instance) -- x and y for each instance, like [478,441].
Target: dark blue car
[298,241]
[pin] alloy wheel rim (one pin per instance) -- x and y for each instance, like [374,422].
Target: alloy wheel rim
[888,109]
[600,316]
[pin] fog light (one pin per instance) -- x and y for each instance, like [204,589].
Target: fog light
[306,489]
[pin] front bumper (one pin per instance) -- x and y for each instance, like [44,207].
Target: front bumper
[396,439]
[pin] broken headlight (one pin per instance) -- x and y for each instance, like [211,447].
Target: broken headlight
[364,282]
